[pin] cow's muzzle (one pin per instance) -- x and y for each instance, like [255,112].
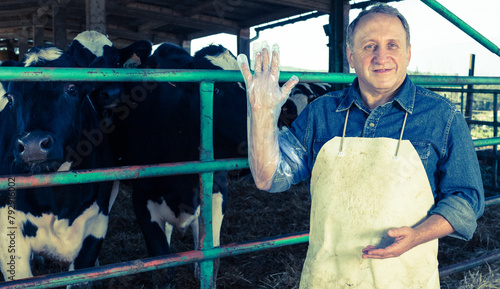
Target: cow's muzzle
[35,146]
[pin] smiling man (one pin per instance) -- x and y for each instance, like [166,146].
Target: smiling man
[392,166]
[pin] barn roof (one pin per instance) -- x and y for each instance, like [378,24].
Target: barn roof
[155,20]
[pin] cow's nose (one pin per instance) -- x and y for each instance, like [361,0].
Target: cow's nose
[35,146]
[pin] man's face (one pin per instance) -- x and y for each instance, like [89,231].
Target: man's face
[379,54]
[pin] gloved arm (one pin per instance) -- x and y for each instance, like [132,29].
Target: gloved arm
[265,99]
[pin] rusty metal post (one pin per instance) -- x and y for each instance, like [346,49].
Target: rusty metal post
[470,95]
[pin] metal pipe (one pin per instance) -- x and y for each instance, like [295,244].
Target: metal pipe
[492,201]
[207,178]
[455,20]
[154,263]
[469,264]
[122,173]
[486,142]
[151,75]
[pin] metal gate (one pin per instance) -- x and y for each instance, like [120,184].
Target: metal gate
[205,167]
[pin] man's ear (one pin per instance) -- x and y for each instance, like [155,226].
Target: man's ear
[348,53]
[409,56]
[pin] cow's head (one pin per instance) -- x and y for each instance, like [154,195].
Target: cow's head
[230,104]
[47,116]
[94,50]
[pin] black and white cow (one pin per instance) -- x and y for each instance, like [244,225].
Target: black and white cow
[53,126]
[301,95]
[159,122]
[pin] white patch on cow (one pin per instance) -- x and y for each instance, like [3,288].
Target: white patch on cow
[46,54]
[13,246]
[195,228]
[300,100]
[161,213]
[168,232]
[3,99]
[217,217]
[56,238]
[324,86]
[308,87]
[224,60]
[114,193]
[94,41]
[66,166]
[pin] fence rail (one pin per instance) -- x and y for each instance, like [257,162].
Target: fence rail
[205,166]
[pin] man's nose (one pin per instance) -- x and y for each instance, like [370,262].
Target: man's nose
[381,56]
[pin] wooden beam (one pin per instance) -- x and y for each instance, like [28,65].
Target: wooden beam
[272,17]
[169,16]
[243,45]
[38,35]
[309,5]
[59,26]
[22,42]
[95,15]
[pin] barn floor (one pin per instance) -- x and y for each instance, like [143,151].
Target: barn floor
[254,214]
[263,215]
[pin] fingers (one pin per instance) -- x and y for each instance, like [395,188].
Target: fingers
[403,239]
[275,63]
[371,252]
[265,56]
[289,85]
[258,58]
[244,68]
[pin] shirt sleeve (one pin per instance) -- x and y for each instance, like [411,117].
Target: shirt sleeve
[292,167]
[460,192]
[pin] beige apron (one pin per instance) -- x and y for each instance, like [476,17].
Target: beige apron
[362,187]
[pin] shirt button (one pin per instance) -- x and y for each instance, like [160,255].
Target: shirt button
[372,124]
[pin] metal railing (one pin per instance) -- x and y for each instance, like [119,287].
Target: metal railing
[205,166]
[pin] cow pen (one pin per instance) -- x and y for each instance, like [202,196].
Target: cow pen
[205,167]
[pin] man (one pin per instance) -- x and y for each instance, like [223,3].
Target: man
[328,144]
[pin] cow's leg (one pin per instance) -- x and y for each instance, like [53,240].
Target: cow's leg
[87,257]
[217,217]
[157,234]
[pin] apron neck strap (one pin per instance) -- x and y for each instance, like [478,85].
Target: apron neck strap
[341,148]
[401,136]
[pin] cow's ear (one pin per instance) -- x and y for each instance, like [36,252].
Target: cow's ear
[133,62]
[3,102]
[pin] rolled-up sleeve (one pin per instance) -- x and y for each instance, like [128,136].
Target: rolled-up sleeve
[292,167]
[460,192]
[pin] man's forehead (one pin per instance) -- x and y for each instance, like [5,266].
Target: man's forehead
[376,24]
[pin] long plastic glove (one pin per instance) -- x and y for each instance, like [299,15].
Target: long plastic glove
[265,99]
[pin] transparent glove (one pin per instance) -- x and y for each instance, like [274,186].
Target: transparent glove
[265,99]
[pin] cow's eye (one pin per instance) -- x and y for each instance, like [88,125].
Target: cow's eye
[71,89]
[10,98]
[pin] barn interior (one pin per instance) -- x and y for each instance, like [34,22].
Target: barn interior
[27,23]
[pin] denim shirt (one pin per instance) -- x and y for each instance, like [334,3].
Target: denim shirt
[434,126]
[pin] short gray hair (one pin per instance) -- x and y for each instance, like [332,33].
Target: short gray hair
[378,8]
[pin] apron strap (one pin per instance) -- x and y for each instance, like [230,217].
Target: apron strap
[341,153]
[401,136]
[341,148]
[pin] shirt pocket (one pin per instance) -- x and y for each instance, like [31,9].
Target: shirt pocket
[423,149]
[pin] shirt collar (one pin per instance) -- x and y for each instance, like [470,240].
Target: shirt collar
[405,97]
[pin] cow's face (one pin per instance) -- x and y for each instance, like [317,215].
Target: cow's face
[48,119]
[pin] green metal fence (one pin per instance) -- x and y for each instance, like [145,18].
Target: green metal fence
[205,166]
